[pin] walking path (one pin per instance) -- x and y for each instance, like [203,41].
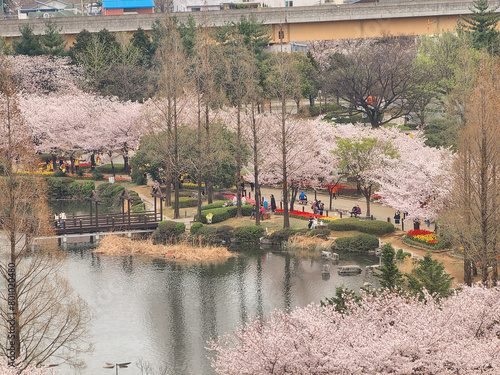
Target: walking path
[342,203]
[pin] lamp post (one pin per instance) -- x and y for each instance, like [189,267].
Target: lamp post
[116,365]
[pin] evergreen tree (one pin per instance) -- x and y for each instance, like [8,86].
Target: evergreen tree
[430,275]
[390,277]
[53,43]
[29,44]
[480,27]
[142,42]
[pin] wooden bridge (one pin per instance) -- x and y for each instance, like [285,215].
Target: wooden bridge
[112,222]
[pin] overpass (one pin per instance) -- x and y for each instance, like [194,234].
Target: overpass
[321,22]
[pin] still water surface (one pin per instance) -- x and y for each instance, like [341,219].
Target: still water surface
[164,313]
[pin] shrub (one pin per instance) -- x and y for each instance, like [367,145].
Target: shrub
[250,234]
[282,235]
[358,243]
[138,208]
[208,233]
[375,227]
[59,173]
[109,194]
[97,175]
[211,206]
[60,187]
[86,189]
[195,227]
[225,233]
[224,213]
[106,168]
[138,177]
[164,232]
[179,228]
[320,233]
[186,202]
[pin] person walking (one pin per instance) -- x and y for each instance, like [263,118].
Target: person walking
[252,215]
[62,218]
[56,220]
[273,203]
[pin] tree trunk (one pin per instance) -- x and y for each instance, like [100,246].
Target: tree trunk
[200,162]
[126,166]
[54,161]
[208,150]
[294,189]
[367,192]
[238,160]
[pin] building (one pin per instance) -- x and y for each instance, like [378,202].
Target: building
[117,7]
[48,9]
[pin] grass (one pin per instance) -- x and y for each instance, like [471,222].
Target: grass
[181,252]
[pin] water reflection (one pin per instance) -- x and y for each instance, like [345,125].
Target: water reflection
[165,313]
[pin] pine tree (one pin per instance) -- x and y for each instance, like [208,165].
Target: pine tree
[29,44]
[390,277]
[480,27]
[430,275]
[53,43]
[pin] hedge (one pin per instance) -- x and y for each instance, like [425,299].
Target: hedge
[224,213]
[375,227]
[282,235]
[225,233]
[167,230]
[249,234]
[212,205]
[208,233]
[186,202]
[360,242]
[195,227]
[68,188]
[106,168]
[109,194]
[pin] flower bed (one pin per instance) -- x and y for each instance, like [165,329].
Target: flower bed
[119,178]
[305,215]
[85,175]
[422,236]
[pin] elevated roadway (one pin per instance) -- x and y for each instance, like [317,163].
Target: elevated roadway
[322,22]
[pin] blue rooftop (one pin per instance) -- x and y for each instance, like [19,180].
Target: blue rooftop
[127,4]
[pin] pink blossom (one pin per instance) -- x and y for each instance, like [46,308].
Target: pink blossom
[387,334]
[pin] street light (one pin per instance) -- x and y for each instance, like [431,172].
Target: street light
[117,365]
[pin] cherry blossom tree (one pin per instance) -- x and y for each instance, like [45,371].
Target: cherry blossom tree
[45,74]
[119,122]
[41,318]
[385,334]
[301,162]
[411,177]
[85,122]
[5,369]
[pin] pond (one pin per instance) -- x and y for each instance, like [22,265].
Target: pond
[164,313]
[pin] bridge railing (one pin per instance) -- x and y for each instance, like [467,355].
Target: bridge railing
[109,222]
